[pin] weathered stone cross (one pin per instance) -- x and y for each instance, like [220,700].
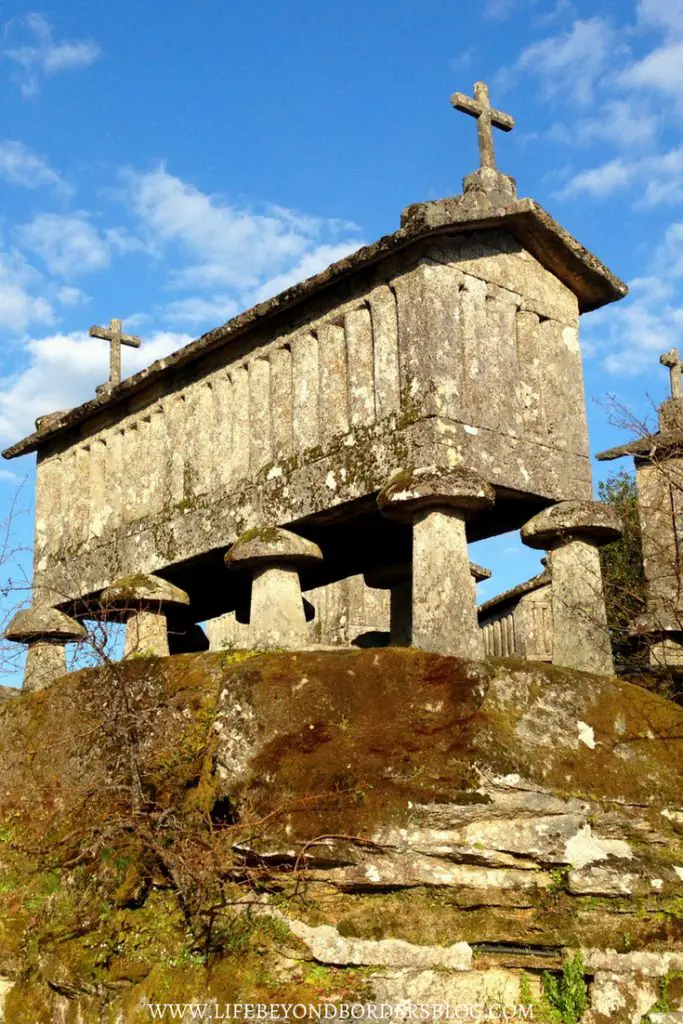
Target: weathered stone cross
[487,118]
[115,336]
[672,359]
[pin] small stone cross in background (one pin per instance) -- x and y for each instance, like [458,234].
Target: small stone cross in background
[487,118]
[115,336]
[672,359]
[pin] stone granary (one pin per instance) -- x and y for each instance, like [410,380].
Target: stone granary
[659,478]
[519,622]
[438,368]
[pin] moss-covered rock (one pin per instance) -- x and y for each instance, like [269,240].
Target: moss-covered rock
[253,828]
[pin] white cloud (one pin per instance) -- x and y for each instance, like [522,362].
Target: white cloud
[68,244]
[312,263]
[19,166]
[631,336]
[603,180]
[198,310]
[221,245]
[661,69]
[572,62]
[43,55]
[629,124]
[63,370]
[19,305]
[659,179]
[70,296]
[666,14]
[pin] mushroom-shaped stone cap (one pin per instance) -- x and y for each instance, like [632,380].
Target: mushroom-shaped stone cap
[44,624]
[142,590]
[588,520]
[432,487]
[271,545]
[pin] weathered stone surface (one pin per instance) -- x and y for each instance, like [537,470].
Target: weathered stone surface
[277,617]
[422,818]
[269,429]
[327,946]
[44,624]
[574,531]
[436,502]
[45,631]
[271,545]
[143,591]
[144,601]
[590,520]
[410,491]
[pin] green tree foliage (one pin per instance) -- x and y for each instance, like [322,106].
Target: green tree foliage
[622,569]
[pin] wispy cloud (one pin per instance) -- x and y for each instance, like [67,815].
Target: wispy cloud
[68,244]
[658,179]
[41,55]
[573,61]
[21,301]
[20,166]
[216,244]
[630,336]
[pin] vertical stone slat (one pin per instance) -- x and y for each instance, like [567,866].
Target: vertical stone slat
[475,349]
[113,473]
[530,374]
[222,430]
[143,490]
[132,462]
[157,451]
[240,420]
[51,483]
[361,369]
[204,428]
[306,392]
[281,402]
[174,420]
[260,431]
[430,340]
[502,401]
[564,399]
[385,345]
[81,494]
[99,509]
[334,418]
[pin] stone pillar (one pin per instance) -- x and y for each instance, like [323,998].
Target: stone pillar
[45,631]
[143,603]
[274,557]
[398,580]
[573,531]
[437,503]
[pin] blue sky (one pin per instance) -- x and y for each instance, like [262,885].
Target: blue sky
[173,163]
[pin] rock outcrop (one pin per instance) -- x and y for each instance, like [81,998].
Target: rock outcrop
[381,826]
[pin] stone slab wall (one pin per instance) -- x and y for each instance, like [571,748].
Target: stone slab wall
[465,350]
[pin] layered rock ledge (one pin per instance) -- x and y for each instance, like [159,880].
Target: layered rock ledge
[376,826]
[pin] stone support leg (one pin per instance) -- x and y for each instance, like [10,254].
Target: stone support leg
[146,635]
[580,634]
[443,599]
[45,662]
[277,617]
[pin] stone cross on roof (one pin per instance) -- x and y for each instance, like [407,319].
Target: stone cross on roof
[487,118]
[672,359]
[115,336]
